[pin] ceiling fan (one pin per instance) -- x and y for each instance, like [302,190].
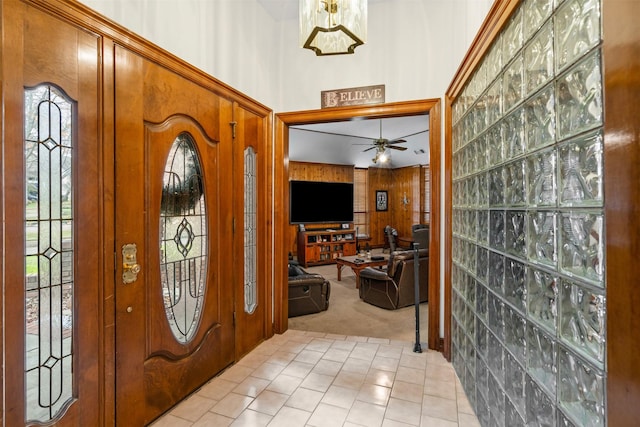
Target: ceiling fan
[381,144]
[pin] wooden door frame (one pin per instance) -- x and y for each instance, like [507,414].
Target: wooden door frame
[281,195]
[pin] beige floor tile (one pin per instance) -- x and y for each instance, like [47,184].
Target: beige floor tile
[319,344]
[344,345]
[232,405]
[250,418]
[284,384]
[309,356]
[392,423]
[298,369]
[193,407]
[428,421]
[217,388]
[317,382]
[440,373]
[251,386]
[365,351]
[305,399]
[403,411]
[336,337]
[383,378]
[269,402]
[366,414]
[356,338]
[378,340]
[281,357]
[268,371]
[393,351]
[340,396]
[213,420]
[290,417]
[385,363]
[413,360]
[446,389]
[468,420]
[336,354]
[407,391]
[353,380]
[464,405]
[438,407]
[171,421]
[328,416]
[253,360]
[355,365]
[327,367]
[410,375]
[376,394]
[236,373]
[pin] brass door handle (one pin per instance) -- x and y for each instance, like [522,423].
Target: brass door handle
[130,266]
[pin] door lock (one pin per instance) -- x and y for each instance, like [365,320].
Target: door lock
[130,266]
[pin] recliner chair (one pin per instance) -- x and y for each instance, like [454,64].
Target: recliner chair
[394,287]
[308,292]
[420,235]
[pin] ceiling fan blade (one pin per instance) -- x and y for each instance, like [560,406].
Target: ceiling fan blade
[397,148]
[330,133]
[415,133]
[397,141]
[369,149]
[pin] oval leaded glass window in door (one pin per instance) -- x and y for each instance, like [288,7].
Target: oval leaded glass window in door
[183,238]
[49,257]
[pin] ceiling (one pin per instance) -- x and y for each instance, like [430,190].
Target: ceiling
[328,144]
[345,142]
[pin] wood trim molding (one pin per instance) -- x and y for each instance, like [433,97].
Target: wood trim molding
[281,192]
[621,65]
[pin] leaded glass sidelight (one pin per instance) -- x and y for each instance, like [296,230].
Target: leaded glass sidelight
[183,238]
[49,256]
[250,230]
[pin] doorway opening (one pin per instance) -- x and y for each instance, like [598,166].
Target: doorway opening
[281,193]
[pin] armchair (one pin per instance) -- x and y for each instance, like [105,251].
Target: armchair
[393,288]
[420,235]
[308,292]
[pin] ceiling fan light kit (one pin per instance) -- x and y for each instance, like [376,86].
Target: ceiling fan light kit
[333,27]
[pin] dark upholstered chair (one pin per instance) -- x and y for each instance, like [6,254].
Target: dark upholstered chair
[392,288]
[308,292]
[420,235]
[390,235]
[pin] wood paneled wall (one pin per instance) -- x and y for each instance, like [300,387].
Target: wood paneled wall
[324,172]
[401,182]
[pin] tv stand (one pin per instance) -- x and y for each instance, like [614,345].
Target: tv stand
[319,247]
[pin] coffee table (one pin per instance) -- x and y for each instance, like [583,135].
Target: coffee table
[350,261]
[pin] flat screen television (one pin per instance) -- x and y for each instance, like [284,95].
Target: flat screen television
[315,202]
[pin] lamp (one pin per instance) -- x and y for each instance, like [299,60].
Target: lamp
[333,27]
[381,156]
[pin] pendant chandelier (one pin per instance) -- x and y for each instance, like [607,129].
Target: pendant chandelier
[333,27]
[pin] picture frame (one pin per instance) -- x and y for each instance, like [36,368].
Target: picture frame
[382,200]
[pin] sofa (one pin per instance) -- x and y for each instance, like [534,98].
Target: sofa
[392,287]
[308,292]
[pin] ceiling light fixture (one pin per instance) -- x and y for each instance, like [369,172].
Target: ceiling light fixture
[333,27]
[381,156]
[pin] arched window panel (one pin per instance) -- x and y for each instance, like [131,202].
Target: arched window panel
[183,239]
[49,116]
[250,230]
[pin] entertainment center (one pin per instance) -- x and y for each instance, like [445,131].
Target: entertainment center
[320,247]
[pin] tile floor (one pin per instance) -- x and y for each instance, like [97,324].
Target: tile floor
[316,379]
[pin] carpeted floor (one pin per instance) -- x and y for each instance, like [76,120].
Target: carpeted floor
[348,315]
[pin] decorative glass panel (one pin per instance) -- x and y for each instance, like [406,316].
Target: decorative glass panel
[542,298]
[539,59]
[513,85]
[577,26]
[250,231]
[542,189]
[581,171]
[515,332]
[513,134]
[581,390]
[579,97]
[183,239]
[515,232]
[542,237]
[540,408]
[514,382]
[540,119]
[535,13]
[514,188]
[582,243]
[541,358]
[49,252]
[514,284]
[583,320]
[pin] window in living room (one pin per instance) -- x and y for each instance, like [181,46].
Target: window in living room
[360,213]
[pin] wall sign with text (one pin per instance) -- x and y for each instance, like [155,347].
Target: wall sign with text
[353,96]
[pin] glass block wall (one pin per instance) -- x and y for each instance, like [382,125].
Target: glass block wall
[529,296]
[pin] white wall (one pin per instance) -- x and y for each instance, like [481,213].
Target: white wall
[414,46]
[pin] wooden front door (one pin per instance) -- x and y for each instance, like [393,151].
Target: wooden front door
[52,241]
[252,286]
[174,237]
